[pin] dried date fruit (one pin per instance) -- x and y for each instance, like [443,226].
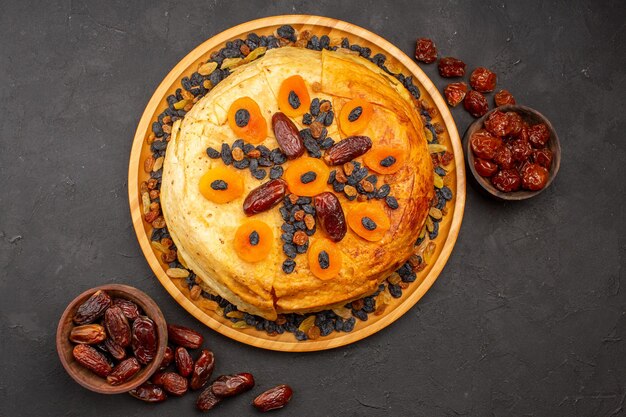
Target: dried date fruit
[450,67]
[168,357]
[497,124]
[503,157]
[515,123]
[184,362]
[503,98]
[202,369]
[124,371]
[174,384]
[484,144]
[538,135]
[425,51]
[207,400]
[91,359]
[507,180]
[118,352]
[287,136]
[130,309]
[483,80]
[264,197]
[347,149]
[542,157]
[157,378]
[273,398]
[520,149]
[117,326]
[475,103]
[485,168]
[455,93]
[89,334]
[330,215]
[183,336]
[144,339]
[231,385]
[93,308]
[534,177]
[149,393]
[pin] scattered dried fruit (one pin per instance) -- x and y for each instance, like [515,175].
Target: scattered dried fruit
[450,67]
[202,369]
[183,336]
[231,385]
[149,393]
[184,362]
[483,80]
[475,103]
[425,51]
[207,400]
[503,98]
[455,93]
[93,308]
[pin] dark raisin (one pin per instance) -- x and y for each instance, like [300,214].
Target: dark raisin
[308,177]
[213,153]
[368,223]
[254,238]
[287,32]
[383,191]
[446,193]
[302,248]
[332,176]
[323,259]
[360,314]
[288,266]
[276,172]
[315,107]
[338,187]
[242,117]
[289,250]
[327,143]
[440,171]
[288,228]
[388,161]
[324,42]
[391,202]
[219,185]
[395,291]
[355,113]
[259,174]
[227,156]
[307,119]
[432,235]
[328,120]
[247,148]
[238,144]
[286,237]
[294,100]
[265,162]
[243,164]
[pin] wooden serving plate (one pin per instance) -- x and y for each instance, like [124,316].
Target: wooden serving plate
[448,228]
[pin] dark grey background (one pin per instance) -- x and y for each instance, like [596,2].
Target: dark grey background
[527,319]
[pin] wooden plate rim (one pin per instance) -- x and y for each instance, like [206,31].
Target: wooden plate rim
[324,343]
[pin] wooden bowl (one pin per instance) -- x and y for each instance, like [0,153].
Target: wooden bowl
[532,117]
[448,229]
[85,377]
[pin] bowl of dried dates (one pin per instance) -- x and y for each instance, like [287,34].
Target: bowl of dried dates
[513,152]
[112,338]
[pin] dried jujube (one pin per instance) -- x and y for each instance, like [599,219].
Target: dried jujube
[450,67]
[483,80]
[475,103]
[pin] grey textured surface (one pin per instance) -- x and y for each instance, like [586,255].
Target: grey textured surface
[527,319]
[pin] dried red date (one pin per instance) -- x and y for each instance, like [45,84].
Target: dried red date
[273,398]
[183,336]
[118,352]
[130,309]
[450,67]
[184,362]
[287,136]
[455,93]
[542,157]
[347,149]
[484,144]
[157,378]
[520,150]
[207,400]
[144,339]
[231,385]
[515,123]
[117,326]
[149,393]
[202,369]
[93,308]
[264,197]
[168,357]
[503,157]
[503,98]
[89,334]
[538,135]
[507,180]
[485,168]
[123,371]
[174,384]
[330,215]
[425,51]
[91,359]
[475,103]
[483,80]
[534,177]
[497,124]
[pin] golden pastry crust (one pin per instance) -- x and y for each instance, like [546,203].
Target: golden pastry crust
[203,231]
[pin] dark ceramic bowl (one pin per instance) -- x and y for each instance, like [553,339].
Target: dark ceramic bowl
[532,117]
[84,376]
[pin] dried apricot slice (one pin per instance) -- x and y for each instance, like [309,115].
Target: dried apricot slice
[246,120]
[325,259]
[293,96]
[253,241]
[307,176]
[384,160]
[369,221]
[221,185]
[355,116]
